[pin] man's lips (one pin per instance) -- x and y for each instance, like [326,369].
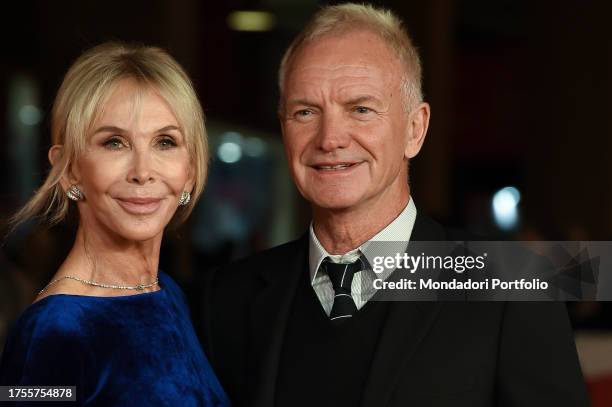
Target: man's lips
[334,166]
[139,206]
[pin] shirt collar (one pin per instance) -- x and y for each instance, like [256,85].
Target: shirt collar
[398,232]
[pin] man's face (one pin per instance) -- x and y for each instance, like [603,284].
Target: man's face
[345,129]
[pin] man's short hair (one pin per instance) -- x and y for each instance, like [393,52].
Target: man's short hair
[343,18]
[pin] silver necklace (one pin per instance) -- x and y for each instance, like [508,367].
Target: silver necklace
[138,287]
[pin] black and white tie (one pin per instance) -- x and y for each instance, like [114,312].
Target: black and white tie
[341,276]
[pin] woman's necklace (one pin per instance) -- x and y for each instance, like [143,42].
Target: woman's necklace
[138,287]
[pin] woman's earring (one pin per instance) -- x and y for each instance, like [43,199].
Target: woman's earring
[74,193]
[185,198]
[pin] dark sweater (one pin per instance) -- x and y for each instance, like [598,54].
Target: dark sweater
[324,363]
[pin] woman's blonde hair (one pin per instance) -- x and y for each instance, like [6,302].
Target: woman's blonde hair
[342,18]
[80,99]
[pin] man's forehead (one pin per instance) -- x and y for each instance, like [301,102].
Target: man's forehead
[342,80]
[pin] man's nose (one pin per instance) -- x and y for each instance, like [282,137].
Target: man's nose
[141,170]
[333,132]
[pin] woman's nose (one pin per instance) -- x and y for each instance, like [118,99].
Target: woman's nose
[140,170]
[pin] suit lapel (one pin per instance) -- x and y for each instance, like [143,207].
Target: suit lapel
[406,325]
[269,320]
[404,329]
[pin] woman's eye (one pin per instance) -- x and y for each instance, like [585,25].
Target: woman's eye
[166,142]
[114,143]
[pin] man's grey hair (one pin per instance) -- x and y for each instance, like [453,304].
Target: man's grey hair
[343,18]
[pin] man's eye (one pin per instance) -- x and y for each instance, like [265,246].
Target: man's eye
[303,113]
[362,109]
[166,143]
[114,143]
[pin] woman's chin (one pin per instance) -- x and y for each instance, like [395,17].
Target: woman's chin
[140,233]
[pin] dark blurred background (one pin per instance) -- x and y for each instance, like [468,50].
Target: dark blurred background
[518,147]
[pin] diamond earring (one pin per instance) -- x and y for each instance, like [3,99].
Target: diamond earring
[185,198]
[74,193]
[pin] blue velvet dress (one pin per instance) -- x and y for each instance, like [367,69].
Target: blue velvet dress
[136,350]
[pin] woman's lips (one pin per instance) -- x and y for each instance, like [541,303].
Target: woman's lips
[139,206]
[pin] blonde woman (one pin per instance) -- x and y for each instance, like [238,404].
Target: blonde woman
[129,153]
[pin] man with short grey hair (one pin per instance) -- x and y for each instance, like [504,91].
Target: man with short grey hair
[292,327]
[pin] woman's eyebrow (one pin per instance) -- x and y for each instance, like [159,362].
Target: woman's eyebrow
[110,129]
[168,128]
[115,129]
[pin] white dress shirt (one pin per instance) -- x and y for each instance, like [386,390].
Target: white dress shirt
[397,233]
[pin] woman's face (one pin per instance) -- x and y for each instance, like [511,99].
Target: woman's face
[135,166]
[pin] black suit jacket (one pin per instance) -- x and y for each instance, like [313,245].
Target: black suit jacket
[429,353]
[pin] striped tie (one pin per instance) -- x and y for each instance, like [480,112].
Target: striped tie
[341,276]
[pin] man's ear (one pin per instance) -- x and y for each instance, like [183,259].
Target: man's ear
[418,122]
[70,177]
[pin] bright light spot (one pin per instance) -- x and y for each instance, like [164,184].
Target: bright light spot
[229,152]
[254,147]
[30,115]
[251,21]
[505,202]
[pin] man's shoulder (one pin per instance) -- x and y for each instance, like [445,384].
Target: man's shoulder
[267,260]
[427,229]
[268,257]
